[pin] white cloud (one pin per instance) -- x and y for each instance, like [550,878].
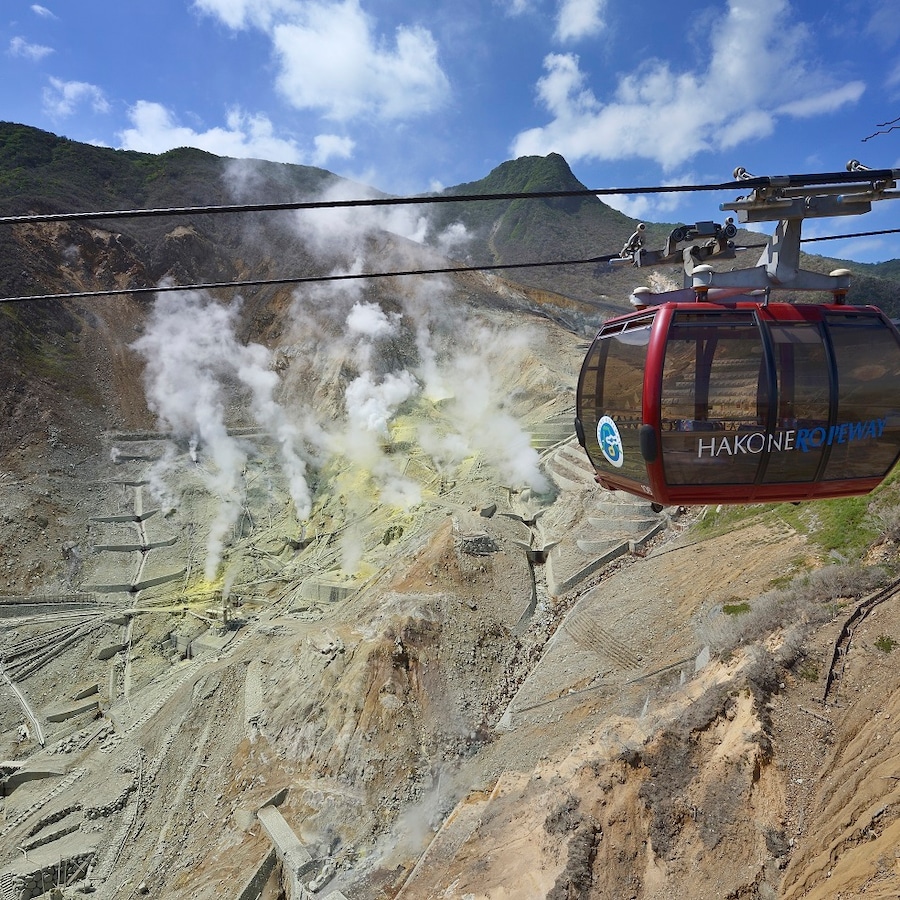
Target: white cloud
[239,14]
[62,98]
[35,52]
[670,116]
[578,19]
[825,102]
[155,131]
[884,24]
[42,11]
[332,60]
[331,57]
[893,78]
[332,146]
[651,207]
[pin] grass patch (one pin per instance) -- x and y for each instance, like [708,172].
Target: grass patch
[844,525]
[735,609]
[808,670]
[885,643]
[718,520]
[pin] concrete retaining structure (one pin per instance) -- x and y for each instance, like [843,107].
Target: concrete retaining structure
[321,591]
[293,856]
[20,776]
[75,708]
[257,881]
[46,868]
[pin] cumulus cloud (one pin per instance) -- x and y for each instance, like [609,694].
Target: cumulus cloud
[239,14]
[332,58]
[332,146]
[21,48]
[154,130]
[652,207]
[63,98]
[893,78]
[825,102]
[754,61]
[577,19]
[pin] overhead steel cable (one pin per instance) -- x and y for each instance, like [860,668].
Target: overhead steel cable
[303,279]
[310,279]
[774,182]
[858,234]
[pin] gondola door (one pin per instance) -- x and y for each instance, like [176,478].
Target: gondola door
[714,396]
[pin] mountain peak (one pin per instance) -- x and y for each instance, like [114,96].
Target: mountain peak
[527,173]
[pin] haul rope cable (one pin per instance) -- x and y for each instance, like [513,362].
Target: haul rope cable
[745,183]
[853,176]
[309,279]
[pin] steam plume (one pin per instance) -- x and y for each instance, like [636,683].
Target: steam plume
[191,353]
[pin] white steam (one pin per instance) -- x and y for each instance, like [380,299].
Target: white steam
[474,408]
[191,353]
[371,404]
[366,352]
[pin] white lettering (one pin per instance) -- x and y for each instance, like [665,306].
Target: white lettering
[762,442]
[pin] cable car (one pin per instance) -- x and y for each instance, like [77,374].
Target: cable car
[742,401]
[713,394]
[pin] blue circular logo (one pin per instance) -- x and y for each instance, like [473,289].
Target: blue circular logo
[610,442]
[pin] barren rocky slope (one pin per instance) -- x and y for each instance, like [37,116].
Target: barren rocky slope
[461,671]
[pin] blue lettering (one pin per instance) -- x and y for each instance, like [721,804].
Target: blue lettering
[856,430]
[831,432]
[842,433]
[869,429]
[881,424]
[817,437]
[802,435]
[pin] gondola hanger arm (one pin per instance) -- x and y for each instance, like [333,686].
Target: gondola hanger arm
[785,199]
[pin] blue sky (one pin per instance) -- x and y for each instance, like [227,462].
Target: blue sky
[409,97]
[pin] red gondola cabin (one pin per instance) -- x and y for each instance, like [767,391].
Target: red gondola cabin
[694,403]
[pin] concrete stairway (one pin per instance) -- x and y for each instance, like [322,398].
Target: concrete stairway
[596,526]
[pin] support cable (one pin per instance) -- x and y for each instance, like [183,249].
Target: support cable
[311,279]
[778,182]
[305,279]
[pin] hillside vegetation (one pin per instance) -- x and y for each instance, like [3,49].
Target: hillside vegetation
[321,568]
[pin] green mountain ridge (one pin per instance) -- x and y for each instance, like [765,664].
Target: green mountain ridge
[43,173]
[515,231]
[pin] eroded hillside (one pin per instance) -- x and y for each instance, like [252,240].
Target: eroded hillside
[313,594]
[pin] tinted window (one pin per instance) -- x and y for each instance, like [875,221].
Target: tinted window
[612,382]
[865,436]
[803,400]
[714,399]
